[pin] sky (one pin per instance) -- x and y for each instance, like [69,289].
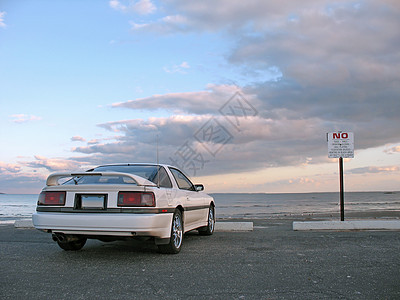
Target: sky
[238,94]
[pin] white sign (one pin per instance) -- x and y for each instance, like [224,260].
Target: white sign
[340,144]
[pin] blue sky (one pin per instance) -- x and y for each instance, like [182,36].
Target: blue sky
[85,83]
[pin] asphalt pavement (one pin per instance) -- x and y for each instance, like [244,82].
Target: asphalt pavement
[270,262]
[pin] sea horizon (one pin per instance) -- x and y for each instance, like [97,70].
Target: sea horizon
[317,192]
[253,205]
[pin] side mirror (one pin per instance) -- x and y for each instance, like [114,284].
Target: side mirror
[199,187]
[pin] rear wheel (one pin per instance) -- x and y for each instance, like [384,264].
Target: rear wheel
[175,241]
[209,229]
[72,245]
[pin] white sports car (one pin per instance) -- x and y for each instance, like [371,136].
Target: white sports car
[122,201]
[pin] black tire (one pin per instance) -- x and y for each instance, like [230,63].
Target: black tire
[209,229]
[175,242]
[73,245]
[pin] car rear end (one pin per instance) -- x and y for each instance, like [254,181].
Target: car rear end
[102,210]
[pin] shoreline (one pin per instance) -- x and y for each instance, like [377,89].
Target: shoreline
[371,214]
[388,192]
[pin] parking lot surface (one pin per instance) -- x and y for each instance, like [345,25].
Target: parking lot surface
[271,262]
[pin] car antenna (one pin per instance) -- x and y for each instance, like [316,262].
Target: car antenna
[158,167]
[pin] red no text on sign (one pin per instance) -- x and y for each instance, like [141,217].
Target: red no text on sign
[340,144]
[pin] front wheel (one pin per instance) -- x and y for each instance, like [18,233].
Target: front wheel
[175,242]
[209,229]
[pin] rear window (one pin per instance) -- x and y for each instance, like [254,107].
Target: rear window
[95,179]
[148,172]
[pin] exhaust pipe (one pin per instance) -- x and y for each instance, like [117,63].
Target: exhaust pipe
[62,238]
[58,237]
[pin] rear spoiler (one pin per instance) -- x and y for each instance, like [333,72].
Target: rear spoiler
[53,179]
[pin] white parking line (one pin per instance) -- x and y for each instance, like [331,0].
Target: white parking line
[348,225]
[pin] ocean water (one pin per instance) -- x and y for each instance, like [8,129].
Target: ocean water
[247,205]
[261,205]
[17,206]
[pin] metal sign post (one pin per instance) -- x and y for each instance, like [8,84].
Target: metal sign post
[341,145]
[341,183]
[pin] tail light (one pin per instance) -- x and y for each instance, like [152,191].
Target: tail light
[51,198]
[136,199]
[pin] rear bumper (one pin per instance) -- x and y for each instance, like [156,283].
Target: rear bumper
[155,225]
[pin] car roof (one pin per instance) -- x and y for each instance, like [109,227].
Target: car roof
[135,164]
[143,164]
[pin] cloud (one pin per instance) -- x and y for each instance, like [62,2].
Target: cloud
[279,105]
[2,15]
[16,179]
[94,141]
[263,16]
[374,169]
[77,139]
[200,102]
[260,142]
[22,118]
[110,148]
[30,176]
[21,184]
[338,61]
[338,68]
[323,73]
[392,150]
[9,168]
[53,164]
[302,181]
[181,68]
[165,25]
[142,7]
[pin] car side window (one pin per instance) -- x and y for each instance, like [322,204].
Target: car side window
[163,178]
[182,181]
